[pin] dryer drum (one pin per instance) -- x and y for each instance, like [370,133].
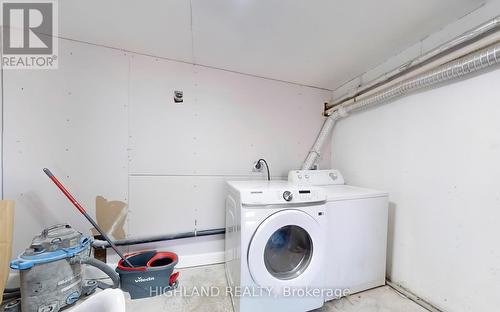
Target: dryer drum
[288,252]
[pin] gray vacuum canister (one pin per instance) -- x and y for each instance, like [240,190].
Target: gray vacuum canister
[51,270]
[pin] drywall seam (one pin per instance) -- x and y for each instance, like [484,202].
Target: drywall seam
[259,175]
[129,70]
[193,63]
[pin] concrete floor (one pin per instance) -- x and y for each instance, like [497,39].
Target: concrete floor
[382,299]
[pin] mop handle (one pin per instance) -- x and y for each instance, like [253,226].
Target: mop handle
[85,214]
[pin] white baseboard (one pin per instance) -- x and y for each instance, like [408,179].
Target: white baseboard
[192,251]
[201,259]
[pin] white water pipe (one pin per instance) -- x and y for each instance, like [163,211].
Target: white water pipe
[462,67]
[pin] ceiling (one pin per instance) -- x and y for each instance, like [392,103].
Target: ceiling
[321,43]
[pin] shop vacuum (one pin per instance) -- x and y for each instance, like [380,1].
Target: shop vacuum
[51,271]
[51,268]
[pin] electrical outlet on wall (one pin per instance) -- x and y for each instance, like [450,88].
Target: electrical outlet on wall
[257,167]
[178,96]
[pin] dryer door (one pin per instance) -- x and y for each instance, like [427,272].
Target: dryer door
[286,250]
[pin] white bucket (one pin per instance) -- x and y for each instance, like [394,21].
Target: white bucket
[109,300]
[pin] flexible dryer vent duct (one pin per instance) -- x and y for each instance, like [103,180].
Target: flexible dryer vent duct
[464,66]
[320,140]
[460,68]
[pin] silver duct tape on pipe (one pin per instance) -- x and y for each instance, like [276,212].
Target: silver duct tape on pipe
[464,66]
[315,151]
[466,39]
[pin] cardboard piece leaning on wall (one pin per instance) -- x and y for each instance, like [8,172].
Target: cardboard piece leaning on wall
[111,217]
[6,230]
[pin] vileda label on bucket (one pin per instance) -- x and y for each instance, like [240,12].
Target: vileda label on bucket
[141,279]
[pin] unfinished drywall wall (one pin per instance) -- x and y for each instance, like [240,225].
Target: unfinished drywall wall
[72,120]
[181,153]
[107,125]
[437,154]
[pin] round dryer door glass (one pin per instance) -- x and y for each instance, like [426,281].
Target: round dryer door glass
[288,252]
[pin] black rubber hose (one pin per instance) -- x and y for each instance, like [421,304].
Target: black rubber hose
[267,168]
[11,290]
[115,278]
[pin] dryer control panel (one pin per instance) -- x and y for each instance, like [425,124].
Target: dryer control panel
[285,196]
[316,177]
[261,193]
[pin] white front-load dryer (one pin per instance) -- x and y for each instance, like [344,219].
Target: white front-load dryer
[356,235]
[275,246]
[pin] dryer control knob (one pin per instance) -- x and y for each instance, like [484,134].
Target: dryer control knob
[287,195]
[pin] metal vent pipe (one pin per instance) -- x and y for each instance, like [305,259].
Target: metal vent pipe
[451,71]
[324,133]
[486,32]
[462,67]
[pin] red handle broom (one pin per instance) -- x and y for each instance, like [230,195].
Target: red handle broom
[85,214]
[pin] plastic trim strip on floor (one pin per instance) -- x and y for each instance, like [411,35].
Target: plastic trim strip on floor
[405,292]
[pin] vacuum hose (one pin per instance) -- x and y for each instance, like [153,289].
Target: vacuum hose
[11,295]
[115,278]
